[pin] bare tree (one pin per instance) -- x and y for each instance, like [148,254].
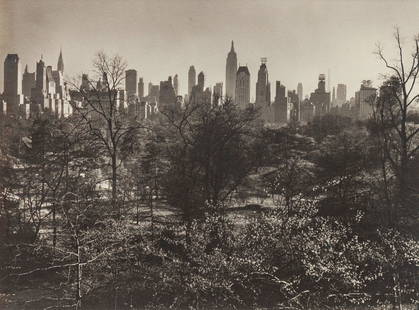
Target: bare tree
[101,106]
[394,107]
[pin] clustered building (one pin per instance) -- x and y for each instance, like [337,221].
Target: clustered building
[31,93]
[44,90]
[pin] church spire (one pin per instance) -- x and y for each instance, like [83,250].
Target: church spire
[60,65]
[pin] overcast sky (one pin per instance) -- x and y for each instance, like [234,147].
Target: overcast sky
[300,38]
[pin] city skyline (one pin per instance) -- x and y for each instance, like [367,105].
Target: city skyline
[300,39]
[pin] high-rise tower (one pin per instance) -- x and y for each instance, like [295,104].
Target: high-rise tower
[201,80]
[12,92]
[231,71]
[28,82]
[131,83]
[300,91]
[60,64]
[263,87]
[141,88]
[191,79]
[176,84]
[243,87]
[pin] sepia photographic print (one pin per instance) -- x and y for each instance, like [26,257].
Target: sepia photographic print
[209,154]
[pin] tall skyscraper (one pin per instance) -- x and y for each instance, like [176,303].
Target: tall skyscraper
[231,71]
[28,82]
[341,94]
[41,75]
[141,88]
[131,83]
[199,95]
[39,93]
[12,91]
[242,87]
[263,93]
[300,91]
[334,96]
[364,100]
[167,96]
[50,81]
[191,79]
[201,80]
[217,93]
[263,87]
[176,84]
[281,106]
[60,64]
[320,98]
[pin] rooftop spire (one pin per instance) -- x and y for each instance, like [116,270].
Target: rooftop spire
[232,45]
[60,64]
[26,69]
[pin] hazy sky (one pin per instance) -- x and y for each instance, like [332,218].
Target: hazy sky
[300,38]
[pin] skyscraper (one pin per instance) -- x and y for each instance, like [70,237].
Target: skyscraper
[141,88]
[300,91]
[320,98]
[191,79]
[60,64]
[167,96]
[12,91]
[341,94]
[364,100]
[263,93]
[28,82]
[39,93]
[231,71]
[199,95]
[201,80]
[281,106]
[217,93]
[176,84]
[131,83]
[41,77]
[242,87]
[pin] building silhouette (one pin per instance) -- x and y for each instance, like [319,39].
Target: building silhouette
[153,92]
[231,71]
[12,90]
[300,91]
[281,106]
[167,95]
[294,106]
[28,82]
[176,84]
[191,79]
[263,93]
[364,100]
[60,63]
[320,98]
[307,111]
[218,93]
[199,95]
[131,84]
[141,88]
[341,94]
[242,87]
